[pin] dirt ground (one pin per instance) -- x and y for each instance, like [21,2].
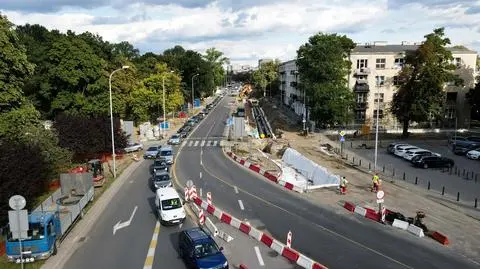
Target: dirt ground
[461,224]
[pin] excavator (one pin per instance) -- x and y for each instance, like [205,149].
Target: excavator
[245,91]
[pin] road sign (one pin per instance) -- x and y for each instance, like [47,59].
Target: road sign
[18,223]
[196,103]
[189,184]
[17,202]
[164,125]
[342,139]
[380,195]
[342,133]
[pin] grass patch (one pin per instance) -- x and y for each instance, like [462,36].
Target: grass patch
[5,264]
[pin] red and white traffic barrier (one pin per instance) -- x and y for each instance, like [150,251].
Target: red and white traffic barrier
[201,217]
[193,193]
[266,239]
[257,169]
[209,198]
[187,194]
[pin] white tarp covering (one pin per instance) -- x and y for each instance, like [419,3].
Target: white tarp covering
[291,176]
[312,171]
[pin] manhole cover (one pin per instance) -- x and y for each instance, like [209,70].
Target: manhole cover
[81,239]
[273,254]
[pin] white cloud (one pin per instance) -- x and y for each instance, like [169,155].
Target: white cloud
[272,29]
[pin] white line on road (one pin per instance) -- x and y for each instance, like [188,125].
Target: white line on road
[190,143]
[200,174]
[240,203]
[196,143]
[215,143]
[236,189]
[201,192]
[259,256]
[208,144]
[203,143]
[183,143]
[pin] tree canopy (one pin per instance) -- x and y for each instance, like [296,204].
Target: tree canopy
[421,94]
[267,76]
[324,67]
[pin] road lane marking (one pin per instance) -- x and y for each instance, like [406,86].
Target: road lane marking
[236,189]
[208,144]
[190,143]
[151,250]
[201,192]
[196,143]
[259,256]
[203,143]
[183,144]
[309,221]
[200,175]
[240,203]
[215,143]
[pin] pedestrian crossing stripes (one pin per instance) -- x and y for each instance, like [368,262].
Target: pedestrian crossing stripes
[202,143]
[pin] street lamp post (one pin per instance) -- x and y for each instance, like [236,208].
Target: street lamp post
[193,93]
[376,126]
[111,118]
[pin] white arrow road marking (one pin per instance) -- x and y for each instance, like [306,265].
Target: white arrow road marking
[240,203]
[121,225]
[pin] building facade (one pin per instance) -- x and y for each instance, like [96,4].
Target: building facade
[374,80]
[290,95]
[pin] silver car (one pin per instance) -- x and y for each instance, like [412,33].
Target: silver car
[174,140]
[161,179]
[151,152]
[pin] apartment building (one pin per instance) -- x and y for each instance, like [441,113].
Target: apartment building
[374,80]
[289,78]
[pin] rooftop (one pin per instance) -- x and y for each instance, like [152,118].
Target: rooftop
[382,47]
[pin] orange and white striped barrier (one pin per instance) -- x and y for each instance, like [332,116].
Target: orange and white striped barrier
[135,157]
[209,198]
[187,194]
[193,192]
[289,239]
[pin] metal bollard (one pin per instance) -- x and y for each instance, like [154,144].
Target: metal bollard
[360,162]
[476,203]
[403,175]
[353,159]
[458,196]
[428,187]
[416,180]
[351,144]
[383,168]
[393,174]
[443,190]
[369,166]
[347,156]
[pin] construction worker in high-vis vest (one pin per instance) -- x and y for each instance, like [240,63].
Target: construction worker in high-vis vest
[343,185]
[375,182]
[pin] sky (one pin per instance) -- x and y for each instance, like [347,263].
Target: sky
[248,30]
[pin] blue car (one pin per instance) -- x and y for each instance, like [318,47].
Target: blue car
[199,250]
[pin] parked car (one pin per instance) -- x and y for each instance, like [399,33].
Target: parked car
[400,151]
[151,152]
[174,140]
[434,161]
[474,154]
[463,150]
[198,250]
[391,148]
[463,142]
[133,147]
[418,152]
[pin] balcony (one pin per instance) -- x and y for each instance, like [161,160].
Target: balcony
[361,88]
[362,81]
[361,106]
[362,71]
[293,84]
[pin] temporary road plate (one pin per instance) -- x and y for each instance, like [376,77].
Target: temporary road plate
[380,195]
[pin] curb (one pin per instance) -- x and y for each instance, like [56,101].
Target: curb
[289,253]
[257,169]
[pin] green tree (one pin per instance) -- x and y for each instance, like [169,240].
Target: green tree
[266,76]
[324,67]
[217,60]
[423,77]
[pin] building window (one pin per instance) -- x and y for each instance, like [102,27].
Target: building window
[361,97]
[450,113]
[380,114]
[360,115]
[457,61]
[399,62]
[380,63]
[396,81]
[380,80]
[362,63]
[378,98]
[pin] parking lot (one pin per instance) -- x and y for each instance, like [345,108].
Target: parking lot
[466,182]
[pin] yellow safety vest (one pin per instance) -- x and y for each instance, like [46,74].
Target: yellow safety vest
[375,179]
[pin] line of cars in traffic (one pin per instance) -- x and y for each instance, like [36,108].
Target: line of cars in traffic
[195,246]
[468,146]
[419,157]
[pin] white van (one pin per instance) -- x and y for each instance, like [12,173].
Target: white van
[169,206]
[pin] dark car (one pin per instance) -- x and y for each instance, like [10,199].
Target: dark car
[434,161]
[463,150]
[463,142]
[199,250]
[159,165]
[180,130]
[422,154]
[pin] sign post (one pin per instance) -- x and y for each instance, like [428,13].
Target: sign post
[18,221]
[342,142]
[381,208]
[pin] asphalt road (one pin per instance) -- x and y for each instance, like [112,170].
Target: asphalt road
[469,189]
[334,240]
